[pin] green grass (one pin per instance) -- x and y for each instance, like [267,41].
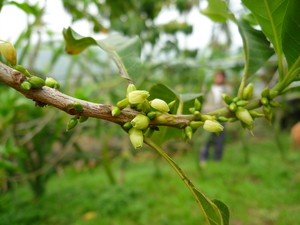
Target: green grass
[266,190]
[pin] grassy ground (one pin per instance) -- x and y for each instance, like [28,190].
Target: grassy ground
[266,190]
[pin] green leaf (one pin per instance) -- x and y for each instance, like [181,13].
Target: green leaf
[125,52]
[223,209]
[217,11]
[291,33]
[269,14]
[211,211]
[256,47]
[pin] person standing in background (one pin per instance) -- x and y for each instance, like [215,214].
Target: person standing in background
[214,101]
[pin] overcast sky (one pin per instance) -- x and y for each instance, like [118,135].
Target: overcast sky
[13,22]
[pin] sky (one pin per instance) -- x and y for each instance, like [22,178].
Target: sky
[13,21]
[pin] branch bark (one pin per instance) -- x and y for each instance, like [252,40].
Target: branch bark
[49,96]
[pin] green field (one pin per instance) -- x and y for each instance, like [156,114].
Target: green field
[266,190]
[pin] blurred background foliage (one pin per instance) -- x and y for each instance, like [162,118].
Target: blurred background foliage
[33,142]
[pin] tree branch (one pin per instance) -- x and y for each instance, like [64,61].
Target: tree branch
[49,96]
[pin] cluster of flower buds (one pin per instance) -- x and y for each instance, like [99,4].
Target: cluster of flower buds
[156,109]
[37,82]
[268,103]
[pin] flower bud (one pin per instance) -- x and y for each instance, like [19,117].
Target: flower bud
[136,137]
[9,52]
[51,82]
[25,85]
[22,70]
[248,91]
[196,124]
[264,101]
[227,99]
[72,123]
[265,93]
[207,117]
[130,88]
[160,105]
[136,97]
[197,115]
[172,105]
[183,136]
[241,103]
[127,125]
[188,131]
[82,119]
[36,82]
[140,122]
[197,105]
[222,119]
[78,107]
[123,103]
[267,109]
[161,117]
[232,119]
[115,111]
[192,110]
[274,103]
[273,94]
[232,107]
[236,99]
[243,115]
[212,126]
[144,106]
[151,115]
[255,114]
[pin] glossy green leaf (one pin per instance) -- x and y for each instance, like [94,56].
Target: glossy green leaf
[256,47]
[269,14]
[217,11]
[291,33]
[125,52]
[223,209]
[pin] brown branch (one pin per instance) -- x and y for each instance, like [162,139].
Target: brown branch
[50,96]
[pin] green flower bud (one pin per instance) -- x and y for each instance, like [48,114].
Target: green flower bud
[78,107]
[136,137]
[135,97]
[269,117]
[151,115]
[72,123]
[36,82]
[140,122]
[131,88]
[248,91]
[274,103]
[115,111]
[197,115]
[265,93]
[264,101]
[227,99]
[172,105]
[127,125]
[192,110]
[159,105]
[82,119]
[9,52]
[183,136]
[243,115]
[197,105]
[212,126]
[232,119]
[51,82]
[22,70]
[196,124]
[207,117]
[144,106]
[255,114]
[222,119]
[160,118]
[267,109]
[188,131]
[273,94]
[25,85]
[241,103]
[123,103]
[232,107]
[236,99]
